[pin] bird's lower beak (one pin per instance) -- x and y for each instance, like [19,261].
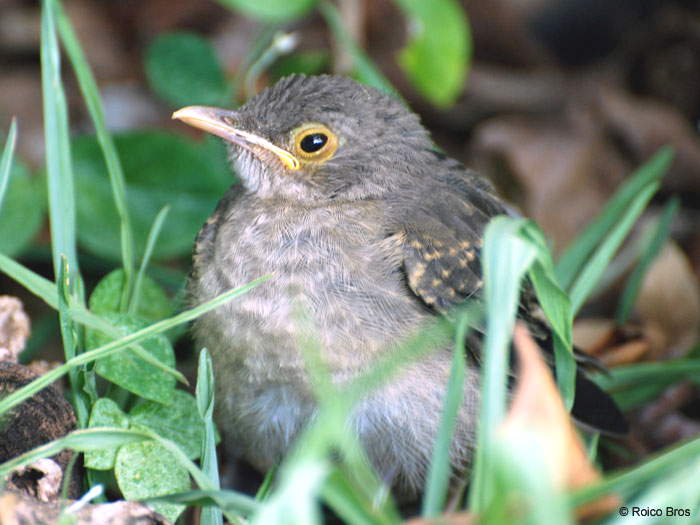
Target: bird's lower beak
[221,122]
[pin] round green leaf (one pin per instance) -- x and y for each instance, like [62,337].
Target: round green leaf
[145,470]
[179,421]
[129,371]
[105,413]
[160,169]
[439,51]
[271,10]
[183,69]
[153,306]
[22,210]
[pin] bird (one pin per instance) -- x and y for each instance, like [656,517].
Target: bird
[370,230]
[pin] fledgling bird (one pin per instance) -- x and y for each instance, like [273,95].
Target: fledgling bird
[345,201]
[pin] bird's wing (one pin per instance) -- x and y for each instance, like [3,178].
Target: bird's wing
[443,231]
[441,259]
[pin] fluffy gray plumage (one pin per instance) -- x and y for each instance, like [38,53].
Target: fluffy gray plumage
[366,247]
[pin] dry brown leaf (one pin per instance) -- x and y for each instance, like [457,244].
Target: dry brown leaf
[537,408]
[452,518]
[567,169]
[669,305]
[14,328]
[594,335]
[626,353]
[644,125]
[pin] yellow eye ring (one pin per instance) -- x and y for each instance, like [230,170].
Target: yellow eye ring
[314,142]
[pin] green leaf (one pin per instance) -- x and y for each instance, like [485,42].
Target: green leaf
[106,297]
[178,421]
[15,398]
[183,69]
[271,10]
[22,211]
[79,440]
[437,57]
[148,469]
[160,169]
[105,413]
[306,62]
[131,372]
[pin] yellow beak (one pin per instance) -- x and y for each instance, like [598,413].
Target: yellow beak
[220,122]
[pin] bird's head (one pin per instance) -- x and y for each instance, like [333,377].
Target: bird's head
[318,138]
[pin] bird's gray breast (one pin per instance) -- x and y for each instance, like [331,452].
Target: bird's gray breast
[335,280]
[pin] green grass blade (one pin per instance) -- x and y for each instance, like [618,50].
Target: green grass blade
[350,505]
[505,259]
[228,500]
[649,252]
[629,481]
[91,94]
[35,283]
[46,290]
[58,157]
[150,244]
[440,471]
[205,405]
[6,160]
[266,485]
[46,379]
[78,440]
[636,384]
[577,254]
[557,307]
[70,336]
[367,71]
[588,278]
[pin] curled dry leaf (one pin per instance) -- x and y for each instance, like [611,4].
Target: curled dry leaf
[14,328]
[538,408]
[593,335]
[450,518]
[669,305]
[41,480]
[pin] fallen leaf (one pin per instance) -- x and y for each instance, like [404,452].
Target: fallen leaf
[594,335]
[451,518]
[626,353]
[566,169]
[537,408]
[14,328]
[644,125]
[669,305]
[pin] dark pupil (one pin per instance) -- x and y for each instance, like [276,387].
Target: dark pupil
[313,142]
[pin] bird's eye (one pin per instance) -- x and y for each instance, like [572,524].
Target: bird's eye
[315,142]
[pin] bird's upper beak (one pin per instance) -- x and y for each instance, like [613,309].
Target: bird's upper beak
[221,122]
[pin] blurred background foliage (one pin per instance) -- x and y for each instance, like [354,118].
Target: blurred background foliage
[555,101]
